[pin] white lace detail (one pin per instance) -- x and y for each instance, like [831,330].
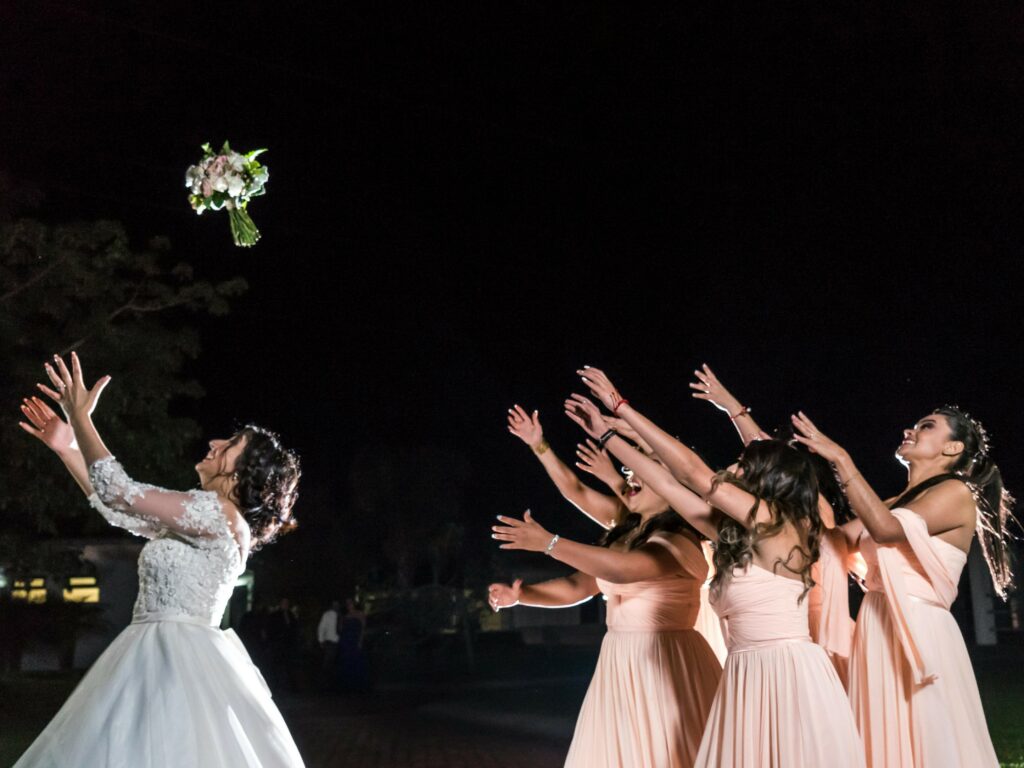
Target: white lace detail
[202,513]
[120,520]
[112,484]
[190,566]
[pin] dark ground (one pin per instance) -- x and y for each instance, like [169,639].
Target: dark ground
[474,723]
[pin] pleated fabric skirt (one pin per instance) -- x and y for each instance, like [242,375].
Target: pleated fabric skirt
[780,706]
[647,703]
[168,694]
[709,625]
[937,725]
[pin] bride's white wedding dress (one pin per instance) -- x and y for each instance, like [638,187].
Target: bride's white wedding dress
[172,690]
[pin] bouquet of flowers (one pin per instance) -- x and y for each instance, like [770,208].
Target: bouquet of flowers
[227,179]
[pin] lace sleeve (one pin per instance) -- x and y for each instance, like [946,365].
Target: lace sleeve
[193,513]
[147,528]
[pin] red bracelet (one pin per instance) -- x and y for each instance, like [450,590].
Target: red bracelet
[739,413]
[622,401]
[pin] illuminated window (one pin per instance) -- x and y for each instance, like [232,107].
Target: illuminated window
[83,590]
[34,591]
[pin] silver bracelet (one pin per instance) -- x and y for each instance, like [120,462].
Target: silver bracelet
[551,544]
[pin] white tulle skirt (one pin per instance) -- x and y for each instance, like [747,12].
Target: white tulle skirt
[168,693]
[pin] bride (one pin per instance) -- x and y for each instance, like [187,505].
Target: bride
[172,689]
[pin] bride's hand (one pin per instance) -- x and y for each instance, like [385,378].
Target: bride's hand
[71,393]
[504,595]
[46,426]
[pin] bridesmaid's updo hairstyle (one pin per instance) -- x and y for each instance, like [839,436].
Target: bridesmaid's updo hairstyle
[267,487]
[785,479]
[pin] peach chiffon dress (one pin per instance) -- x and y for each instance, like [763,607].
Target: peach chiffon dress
[912,686]
[780,703]
[708,623]
[656,676]
[828,602]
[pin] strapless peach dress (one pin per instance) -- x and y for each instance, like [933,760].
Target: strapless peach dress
[780,703]
[912,686]
[656,676]
[708,623]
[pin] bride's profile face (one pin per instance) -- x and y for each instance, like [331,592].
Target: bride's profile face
[221,459]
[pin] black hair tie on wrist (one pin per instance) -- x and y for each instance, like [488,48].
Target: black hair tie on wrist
[606,437]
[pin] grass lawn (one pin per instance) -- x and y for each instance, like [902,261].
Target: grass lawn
[1000,673]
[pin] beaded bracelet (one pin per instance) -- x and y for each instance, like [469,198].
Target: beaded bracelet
[744,411]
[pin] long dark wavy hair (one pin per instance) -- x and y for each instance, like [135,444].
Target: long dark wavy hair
[268,480]
[828,483]
[785,478]
[976,469]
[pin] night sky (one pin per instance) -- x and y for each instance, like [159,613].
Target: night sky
[468,201]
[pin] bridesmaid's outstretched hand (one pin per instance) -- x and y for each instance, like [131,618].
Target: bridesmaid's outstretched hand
[525,426]
[583,411]
[504,595]
[525,534]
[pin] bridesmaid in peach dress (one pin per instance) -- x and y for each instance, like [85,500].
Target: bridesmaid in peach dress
[632,498]
[828,603]
[912,686]
[655,677]
[780,702]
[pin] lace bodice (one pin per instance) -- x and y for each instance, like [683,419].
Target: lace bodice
[192,561]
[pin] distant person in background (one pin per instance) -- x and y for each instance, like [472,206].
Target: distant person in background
[353,671]
[252,631]
[282,628]
[327,639]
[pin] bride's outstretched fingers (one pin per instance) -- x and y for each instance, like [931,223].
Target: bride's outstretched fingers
[74,397]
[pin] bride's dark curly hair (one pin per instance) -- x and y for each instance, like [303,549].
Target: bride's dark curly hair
[267,487]
[785,478]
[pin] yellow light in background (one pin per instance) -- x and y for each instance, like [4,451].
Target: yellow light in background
[37,594]
[83,590]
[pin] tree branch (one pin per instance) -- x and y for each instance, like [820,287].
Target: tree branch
[33,280]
